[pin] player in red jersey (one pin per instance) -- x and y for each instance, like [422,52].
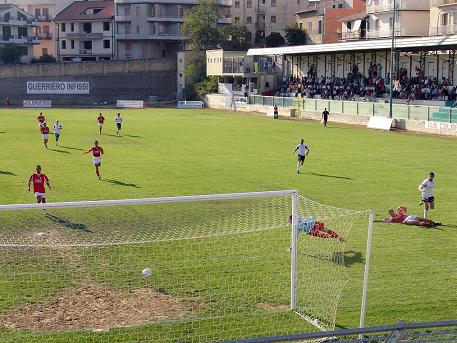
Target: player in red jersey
[39,180]
[100,120]
[41,119]
[45,134]
[97,152]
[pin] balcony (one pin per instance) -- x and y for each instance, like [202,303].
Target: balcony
[162,37]
[402,5]
[166,18]
[85,51]
[350,35]
[443,30]
[227,3]
[43,18]
[260,25]
[123,18]
[45,36]
[386,33]
[441,3]
[20,22]
[224,20]
[84,35]
[261,8]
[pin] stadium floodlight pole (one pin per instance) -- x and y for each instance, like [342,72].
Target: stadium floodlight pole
[392,56]
[293,254]
[367,268]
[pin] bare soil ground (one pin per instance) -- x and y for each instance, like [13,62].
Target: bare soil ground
[95,307]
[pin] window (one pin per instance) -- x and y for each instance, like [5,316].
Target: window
[87,27]
[444,19]
[390,23]
[377,25]
[72,44]
[319,27]
[237,19]
[310,26]
[106,44]
[249,37]
[44,51]
[22,32]
[273,19]
[137,11]
[300,26]
[46,13]
[37,12]
[63,44]
[87,45]
[128,46]
[349,25]
[340,5]
[62,27]
[249,20]
[72,27]
[273,3]
[138,29]
[46,29]
[127,28]
[237,4]
[106,26]
[249,4]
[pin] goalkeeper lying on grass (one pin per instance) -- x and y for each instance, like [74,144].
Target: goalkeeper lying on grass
[400,216]
[314,228]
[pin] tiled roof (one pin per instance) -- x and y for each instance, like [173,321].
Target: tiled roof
[77,10]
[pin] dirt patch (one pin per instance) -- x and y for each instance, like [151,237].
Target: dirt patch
[44,236]
[271,307]
[96,307]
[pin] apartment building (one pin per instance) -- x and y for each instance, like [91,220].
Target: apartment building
[44,12]
[412,20]
[151,28]
[18,27]
[263,17]
[443,17]
[85,31]
[322,19]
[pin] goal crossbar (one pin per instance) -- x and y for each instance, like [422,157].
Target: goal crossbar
[143,201]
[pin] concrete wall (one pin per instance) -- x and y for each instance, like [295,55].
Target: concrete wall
[222,101]
[108,80]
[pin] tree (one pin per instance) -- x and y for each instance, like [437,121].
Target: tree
[10,54]
[46,58]
[295,35]
[200,25]
[274,40]
[234,37]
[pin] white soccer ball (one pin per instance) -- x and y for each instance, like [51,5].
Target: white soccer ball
[147,272]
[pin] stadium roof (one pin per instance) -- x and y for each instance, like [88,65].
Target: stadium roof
[404,44]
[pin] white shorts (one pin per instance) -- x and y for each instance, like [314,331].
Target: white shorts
[409,218]
[45,136]
[96,160]
[41,195]
[100,125]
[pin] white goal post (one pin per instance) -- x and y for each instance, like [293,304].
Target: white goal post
[199,268]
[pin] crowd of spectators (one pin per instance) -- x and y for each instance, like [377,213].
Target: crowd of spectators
[356,86]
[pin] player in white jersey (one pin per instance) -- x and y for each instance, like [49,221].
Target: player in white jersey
[427,187]
[303,150]
[57,128]
[118,121]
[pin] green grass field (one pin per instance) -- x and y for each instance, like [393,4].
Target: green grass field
[166,152]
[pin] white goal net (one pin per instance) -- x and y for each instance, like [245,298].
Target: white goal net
[183,269]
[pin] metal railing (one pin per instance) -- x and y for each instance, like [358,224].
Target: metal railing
[430,332]
[358,108]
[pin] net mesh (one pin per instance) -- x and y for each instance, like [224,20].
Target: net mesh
[220,270]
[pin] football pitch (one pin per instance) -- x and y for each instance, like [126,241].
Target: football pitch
[169,152]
